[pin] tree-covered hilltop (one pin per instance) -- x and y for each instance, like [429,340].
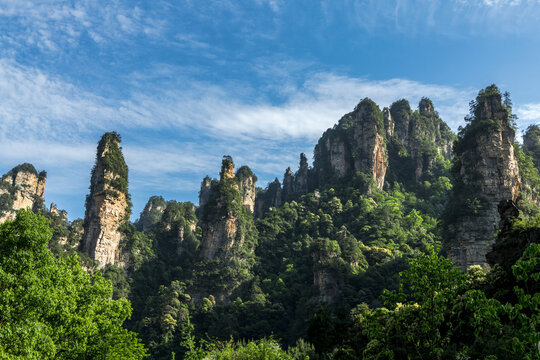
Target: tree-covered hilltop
[345,259]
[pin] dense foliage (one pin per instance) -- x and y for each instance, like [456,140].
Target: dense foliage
[50,308]
[344,271]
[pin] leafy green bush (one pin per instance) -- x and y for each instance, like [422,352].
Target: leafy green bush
[52,308]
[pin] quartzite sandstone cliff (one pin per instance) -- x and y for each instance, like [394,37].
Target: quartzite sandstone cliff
[486,173]
[22,187]
[230,202]
[107,205]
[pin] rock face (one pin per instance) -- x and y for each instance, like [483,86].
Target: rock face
[288,185]
[62,214]
[206,190]
[356,143]
[510,245]
[301,180]
[107,205]
[419,138]
[22,187]
[531,144]
[152,213]
[227,210]
[388,122]
[486,173]
[294,185]
[175,228]
[396,144]
[269,198]
[246,184]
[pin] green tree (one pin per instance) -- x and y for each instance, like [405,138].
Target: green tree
[265,349]
[50,308]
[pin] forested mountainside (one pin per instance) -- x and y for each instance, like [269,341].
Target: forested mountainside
[401,241]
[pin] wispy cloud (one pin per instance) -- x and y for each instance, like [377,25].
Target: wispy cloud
[528,114]
[55,25]
[449,17]
[176,132]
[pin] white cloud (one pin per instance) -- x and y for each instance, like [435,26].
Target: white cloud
[37,106]
[176,132]
[529,112]
[448,17]
[52,25]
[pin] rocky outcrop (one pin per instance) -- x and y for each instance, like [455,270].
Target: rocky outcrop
[152,213]
[227,168]
[510,244]
[269,198]
[419,138]
[356,143]
[175,229]
[288,185]
[397,142]
[225,215]
[401,113]
[246,180]
[206,190]
[388,122]
[301,177]
[107,205]
[22,187]
[55,211]
[486,173]
[531,144]
[327,284]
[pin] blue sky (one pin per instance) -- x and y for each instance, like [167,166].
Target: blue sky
[186,82]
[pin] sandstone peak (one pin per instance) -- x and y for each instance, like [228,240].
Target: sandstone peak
[488,104]
[246,183]
[204,193]
[487,173]
[425,107]
[152,213]
[62,214]
[107,205]
[227,168]
[531,144]
[22,187]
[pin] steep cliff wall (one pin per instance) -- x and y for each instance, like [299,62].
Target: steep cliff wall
[531,144]
[227,215]
[228,236]
[269,198]
[246,180]
[420,138]
[22,187]
[152,213]
[175,231]
[107,205]
[206,190]
[486,173]
[288,185]
[301,177]
[356,143]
